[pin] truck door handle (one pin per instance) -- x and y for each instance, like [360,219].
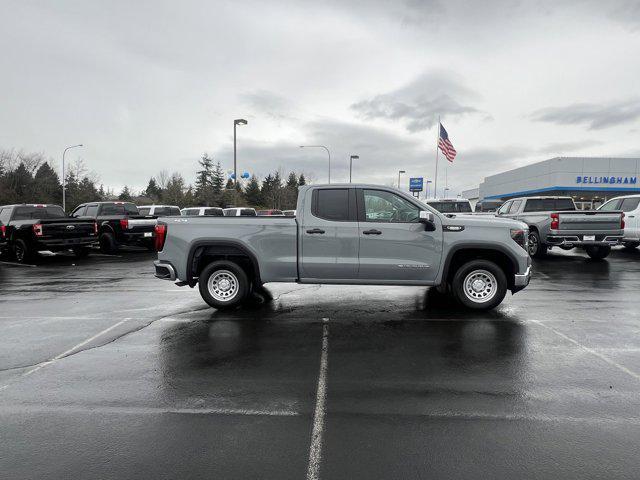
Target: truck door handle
[316,230]
[372,232]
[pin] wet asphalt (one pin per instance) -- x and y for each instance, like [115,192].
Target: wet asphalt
[107,372]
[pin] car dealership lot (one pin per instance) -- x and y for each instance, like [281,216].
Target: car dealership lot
[106,372]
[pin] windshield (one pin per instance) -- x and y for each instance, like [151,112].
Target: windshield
[29,213]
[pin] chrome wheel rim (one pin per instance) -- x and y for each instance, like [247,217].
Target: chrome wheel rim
[223,285]
[19,251]
[480,286]
[533,244]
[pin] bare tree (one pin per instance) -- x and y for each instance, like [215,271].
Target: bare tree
[162,179]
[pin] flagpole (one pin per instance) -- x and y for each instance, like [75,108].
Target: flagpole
[435,180]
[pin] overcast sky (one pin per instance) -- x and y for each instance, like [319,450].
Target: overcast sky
[151,85]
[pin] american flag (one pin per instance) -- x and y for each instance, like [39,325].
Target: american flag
[445,145]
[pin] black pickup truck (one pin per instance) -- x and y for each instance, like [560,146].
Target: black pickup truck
[27,229]
[118,223]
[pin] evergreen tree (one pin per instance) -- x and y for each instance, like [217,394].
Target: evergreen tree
[174,191]
[252,192]
[46,185]
[153,191]
[302,181]
[21,184]
[204,181]
[217,182]
[125,195]
[229,185]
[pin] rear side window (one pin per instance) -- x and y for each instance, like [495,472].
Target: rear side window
[331,204]
[119,209]
[534,205]
[191,212]
[163,211]
[5,215]
[630,204]
[29,213]
[564,204]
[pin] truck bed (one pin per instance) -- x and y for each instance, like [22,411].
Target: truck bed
[272,239]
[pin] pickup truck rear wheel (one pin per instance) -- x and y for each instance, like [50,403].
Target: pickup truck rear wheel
[536,248]
[479,284]
[223,284]
[107,243]
[598,252]
[21,251]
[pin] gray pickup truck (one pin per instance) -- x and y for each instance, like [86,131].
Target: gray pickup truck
[556,222]
[346,234]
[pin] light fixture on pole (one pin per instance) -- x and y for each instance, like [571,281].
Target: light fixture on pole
[446,189]
[399,173]
[239,121]
[328,153]
[64,180]
[356,157]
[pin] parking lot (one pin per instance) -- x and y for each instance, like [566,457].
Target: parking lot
[107,372]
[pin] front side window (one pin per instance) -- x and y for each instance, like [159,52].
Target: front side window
[144,210]
[515,206]
[381,206]
[92,211]
[332,204]
[5,215]
[630,204]
[611,205]
[505,208]
[79,212]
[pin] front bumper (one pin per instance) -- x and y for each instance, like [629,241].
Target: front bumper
[164,271]
[521,280]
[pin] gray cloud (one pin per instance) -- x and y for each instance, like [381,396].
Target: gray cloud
[268,103]
[595,116]
[419,103]
[567,148]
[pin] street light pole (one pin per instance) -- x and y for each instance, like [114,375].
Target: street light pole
[239,121]
[64,179]
[400,172]
[328,153]
[428,182]
[357,157]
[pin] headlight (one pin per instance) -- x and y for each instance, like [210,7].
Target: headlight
[520,236]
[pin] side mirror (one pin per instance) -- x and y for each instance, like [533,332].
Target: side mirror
[428,219]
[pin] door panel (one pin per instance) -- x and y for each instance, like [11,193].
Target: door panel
[402,250]
[330,235]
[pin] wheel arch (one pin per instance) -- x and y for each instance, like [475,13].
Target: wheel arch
[462,254]
[203,252]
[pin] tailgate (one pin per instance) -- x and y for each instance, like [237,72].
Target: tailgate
[136,225]
[67,228]
[590,221]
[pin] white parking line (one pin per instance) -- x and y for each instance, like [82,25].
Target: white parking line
[315,450]
[622,368]
[132,410]
[18,264]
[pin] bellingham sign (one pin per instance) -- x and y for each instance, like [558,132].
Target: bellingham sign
[607,180]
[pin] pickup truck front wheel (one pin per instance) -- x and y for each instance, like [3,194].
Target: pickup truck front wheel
[223,284]
[479,284]
[536,248]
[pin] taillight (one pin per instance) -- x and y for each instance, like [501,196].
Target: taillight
[3,231]
[622,224]
[124,223]
[161,235]
[555,221]
[95,228]
[37,229]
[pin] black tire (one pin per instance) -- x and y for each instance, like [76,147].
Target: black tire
[213,292]
[598,252]
[81,252]
[493,285]
[107,243]
[21,251]
[631,246]
[537,249]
